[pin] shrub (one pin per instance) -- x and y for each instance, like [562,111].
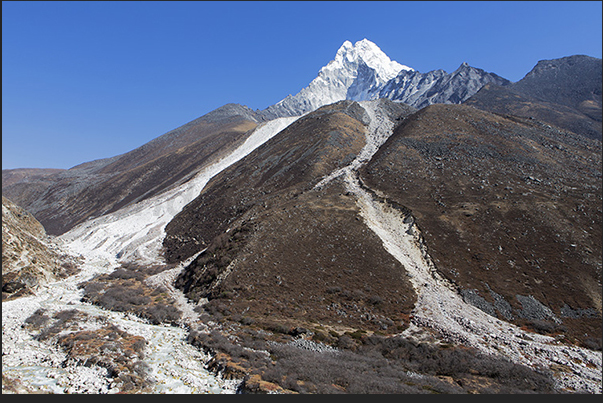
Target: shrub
[333,290]
[124,274]
[592,343]
[123,299]
[66,315]
[37,319]
[161,313]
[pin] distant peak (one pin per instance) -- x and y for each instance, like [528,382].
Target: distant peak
[369,53]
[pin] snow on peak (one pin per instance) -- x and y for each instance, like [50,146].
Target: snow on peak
[349,56]
[358,72]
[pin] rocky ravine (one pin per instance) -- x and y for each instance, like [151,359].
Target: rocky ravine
[170,364]
[174,366]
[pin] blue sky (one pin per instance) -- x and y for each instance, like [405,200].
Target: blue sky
[89,80]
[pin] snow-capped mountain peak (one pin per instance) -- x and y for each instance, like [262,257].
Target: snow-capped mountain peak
[363,72]
[348,57]
[358,72]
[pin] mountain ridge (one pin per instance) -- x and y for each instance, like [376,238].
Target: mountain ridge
[565,92]
[363,72]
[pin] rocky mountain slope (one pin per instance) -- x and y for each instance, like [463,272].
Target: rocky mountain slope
[29,256]
[564,92]
[495,204]
[438,87]
[283,249]
[92,189]
[12,176]
[573,81]
[508,208]
[439,249]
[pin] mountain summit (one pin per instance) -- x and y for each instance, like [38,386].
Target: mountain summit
[356,73]
[362,72]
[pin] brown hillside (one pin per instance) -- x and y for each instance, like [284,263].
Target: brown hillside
[100,187]
[12,176]
[510,209]
[504,100]
[290,163]
[281,253]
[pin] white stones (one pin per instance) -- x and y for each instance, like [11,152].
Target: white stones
[176,366]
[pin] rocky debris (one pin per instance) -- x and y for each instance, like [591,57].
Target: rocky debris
[312,345]
[29,256]
[568,312]
[440,307]
[62,361]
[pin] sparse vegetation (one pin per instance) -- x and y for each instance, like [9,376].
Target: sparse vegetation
[365,364]
[114,349]
[124,290]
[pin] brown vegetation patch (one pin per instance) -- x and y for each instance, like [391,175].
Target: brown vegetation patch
[124,290]
[282,168]
[112,348]
[365,365]
[311,261]
[108,347]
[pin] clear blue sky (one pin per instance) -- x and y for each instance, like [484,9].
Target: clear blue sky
[89,80]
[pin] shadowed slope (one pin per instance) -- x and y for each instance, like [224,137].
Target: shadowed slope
[506,101]
[565,92]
